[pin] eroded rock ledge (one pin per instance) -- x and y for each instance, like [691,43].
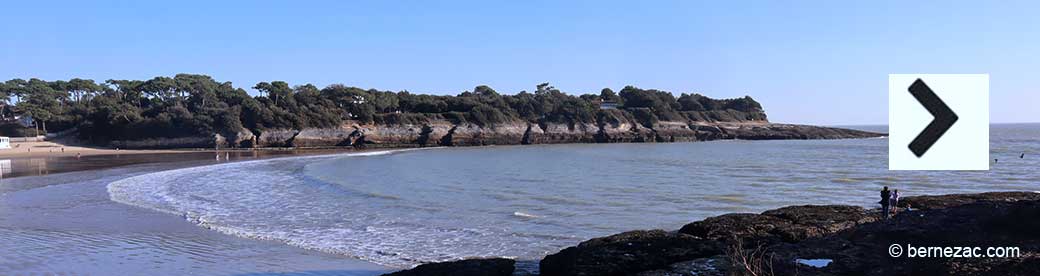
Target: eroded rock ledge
[446,133]
[468,267]
[853,239]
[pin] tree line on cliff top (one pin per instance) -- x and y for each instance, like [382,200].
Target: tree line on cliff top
[192,105]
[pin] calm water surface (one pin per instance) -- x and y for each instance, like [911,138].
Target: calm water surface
[405,207]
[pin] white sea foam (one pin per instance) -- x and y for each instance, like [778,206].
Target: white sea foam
[524,215]
[269,200]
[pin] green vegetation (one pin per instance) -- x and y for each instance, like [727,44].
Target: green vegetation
[197,105]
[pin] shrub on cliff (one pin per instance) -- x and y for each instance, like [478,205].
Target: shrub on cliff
[644,116]
[662,104]
[689,102]
[572,110]
[485,115]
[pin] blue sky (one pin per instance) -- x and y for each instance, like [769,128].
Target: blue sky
[818,62]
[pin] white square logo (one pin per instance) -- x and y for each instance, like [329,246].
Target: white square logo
[938,122]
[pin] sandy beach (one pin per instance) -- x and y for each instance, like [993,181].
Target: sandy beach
[62,222]
[45,149]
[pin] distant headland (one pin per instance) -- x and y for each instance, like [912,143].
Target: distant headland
[196,111]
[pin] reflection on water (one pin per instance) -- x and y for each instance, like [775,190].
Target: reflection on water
[5,167]
[28,166]
[25,166]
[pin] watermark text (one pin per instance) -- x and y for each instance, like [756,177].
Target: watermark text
[910,251]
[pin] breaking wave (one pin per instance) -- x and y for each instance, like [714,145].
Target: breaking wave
[272,200]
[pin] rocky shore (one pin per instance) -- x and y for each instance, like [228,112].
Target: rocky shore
[447,133]
[807,240]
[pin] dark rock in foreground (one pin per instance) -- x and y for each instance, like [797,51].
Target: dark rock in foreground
[853,238]
[627,253]
[696,267]
[788,224]
[639,251]
[975,220]
[945,201]
[468,267]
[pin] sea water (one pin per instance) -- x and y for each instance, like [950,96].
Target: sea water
[401,208]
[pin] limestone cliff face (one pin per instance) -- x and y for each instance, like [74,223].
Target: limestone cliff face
[388,136]
[276,137]
[323,137]
[667,131]
[445,133]
[555,133]
[467,134]
[609,127]
[625,132]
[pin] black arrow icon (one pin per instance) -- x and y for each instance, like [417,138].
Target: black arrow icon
[944,118]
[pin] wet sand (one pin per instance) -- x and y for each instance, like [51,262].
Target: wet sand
[48,158]
[54,149]
[64,224]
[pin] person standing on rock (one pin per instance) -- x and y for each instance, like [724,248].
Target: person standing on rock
[886,201]
[895,201]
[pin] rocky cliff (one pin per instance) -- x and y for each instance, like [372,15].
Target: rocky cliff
[446,133]
[608,126]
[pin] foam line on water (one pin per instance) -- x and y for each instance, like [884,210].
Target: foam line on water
[125,190]
[222,197]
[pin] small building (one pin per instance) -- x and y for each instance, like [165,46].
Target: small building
[608,105]
[5,142]
[25,120]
